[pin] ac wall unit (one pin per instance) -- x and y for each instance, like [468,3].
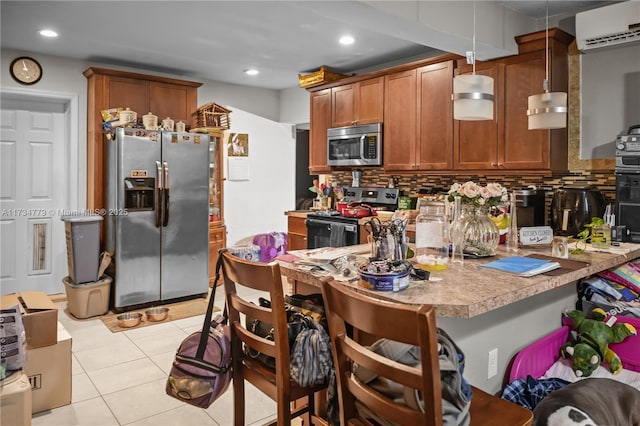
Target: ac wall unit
[607,26]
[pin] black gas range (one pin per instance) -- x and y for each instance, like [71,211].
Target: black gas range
[328,228]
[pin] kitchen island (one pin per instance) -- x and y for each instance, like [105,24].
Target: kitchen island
[483,309]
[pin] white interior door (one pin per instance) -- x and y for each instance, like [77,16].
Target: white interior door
[33,184]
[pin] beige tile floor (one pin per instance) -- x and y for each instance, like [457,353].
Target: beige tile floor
[119,379]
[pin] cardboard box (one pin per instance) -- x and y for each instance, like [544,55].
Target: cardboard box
[15,400]
[49,371]
[39,316]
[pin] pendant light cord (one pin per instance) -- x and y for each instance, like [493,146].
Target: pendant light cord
[474,37]
[546,51]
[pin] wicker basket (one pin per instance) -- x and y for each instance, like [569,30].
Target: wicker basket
[212,115]
[319,77]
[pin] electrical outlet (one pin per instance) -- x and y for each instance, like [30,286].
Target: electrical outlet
[493,363]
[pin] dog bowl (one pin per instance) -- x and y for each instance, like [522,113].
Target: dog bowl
[129,319]
[157,314]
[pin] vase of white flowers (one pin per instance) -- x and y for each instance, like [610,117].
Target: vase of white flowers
[474,228]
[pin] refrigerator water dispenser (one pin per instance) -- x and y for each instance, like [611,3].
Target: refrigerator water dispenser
[139,194]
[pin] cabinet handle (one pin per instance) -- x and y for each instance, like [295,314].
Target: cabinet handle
[500,165]
[494,164]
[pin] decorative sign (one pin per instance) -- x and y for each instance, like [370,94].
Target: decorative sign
[536,235]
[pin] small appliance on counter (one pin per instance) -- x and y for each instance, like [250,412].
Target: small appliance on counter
[573,206]
[530,207]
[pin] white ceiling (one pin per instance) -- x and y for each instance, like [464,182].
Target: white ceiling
[217,40]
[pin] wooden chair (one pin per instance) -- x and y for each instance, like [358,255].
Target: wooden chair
[276,383]
[412,324]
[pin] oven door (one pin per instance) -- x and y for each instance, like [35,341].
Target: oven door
[323,232]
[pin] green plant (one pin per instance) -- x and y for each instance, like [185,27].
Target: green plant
[583,237]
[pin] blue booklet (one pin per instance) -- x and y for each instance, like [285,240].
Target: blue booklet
[522,266]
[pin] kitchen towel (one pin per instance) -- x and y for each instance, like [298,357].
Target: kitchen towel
[337,238]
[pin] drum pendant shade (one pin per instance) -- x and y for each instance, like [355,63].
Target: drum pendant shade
[547,111]
[473,97]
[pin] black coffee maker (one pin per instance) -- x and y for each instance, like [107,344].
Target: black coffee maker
[573,206]
[529,207]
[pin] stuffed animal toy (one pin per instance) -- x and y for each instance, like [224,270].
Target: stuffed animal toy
[591,347]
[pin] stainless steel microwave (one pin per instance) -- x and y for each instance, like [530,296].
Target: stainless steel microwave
[355,145]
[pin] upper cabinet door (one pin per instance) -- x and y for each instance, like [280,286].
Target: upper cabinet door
[399,129]
[170,100]
[476,142]
[357,103]
[320,122]
[370,101]
[434,150]
[343,106]
[522,148]
[126,92]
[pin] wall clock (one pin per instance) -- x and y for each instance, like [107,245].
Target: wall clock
[26,70]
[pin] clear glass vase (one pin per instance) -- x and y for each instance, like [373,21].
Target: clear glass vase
[479,234]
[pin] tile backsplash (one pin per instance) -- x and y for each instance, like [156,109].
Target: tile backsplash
[411,185]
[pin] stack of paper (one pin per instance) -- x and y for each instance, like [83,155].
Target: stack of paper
[320,255]
[523,266]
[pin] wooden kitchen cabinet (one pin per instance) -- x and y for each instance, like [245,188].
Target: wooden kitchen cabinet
[217,229]
[418,127]
[164,97]
[357,103]
[525,149]
[399,130]
[476,142]
[506,143]
[320,122]
[296,233]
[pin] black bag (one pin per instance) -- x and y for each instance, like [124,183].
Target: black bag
[295,324]
[311,305]
[201,370]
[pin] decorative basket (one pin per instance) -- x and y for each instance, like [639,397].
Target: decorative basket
[212,115]
[319,77]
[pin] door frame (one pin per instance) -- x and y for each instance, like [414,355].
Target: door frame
[75,152]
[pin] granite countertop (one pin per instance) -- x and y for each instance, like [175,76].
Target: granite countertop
[465,291]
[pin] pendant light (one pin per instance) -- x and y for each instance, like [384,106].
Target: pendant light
[547,110]
[472,94]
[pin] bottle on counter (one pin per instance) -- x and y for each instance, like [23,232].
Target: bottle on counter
[456,232]
[332,198]
[432,245]
[512,236]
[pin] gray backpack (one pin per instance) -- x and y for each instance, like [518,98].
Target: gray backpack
[456,392]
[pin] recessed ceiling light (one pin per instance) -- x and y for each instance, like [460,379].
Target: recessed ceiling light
[251,71]
[48,33]
[346,40]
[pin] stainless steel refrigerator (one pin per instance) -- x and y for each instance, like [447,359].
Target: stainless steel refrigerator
[157,218]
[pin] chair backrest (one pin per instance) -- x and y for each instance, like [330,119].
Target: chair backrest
[414,325]
[264,277]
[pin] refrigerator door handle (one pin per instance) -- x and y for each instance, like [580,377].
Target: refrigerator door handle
[158,192]
[165,185]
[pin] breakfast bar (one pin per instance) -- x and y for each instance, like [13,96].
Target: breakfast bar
[484,310]
[465,291]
